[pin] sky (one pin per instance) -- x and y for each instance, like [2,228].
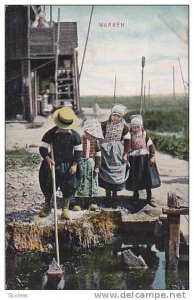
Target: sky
[157,32]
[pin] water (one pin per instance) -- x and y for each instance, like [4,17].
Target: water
[100,269]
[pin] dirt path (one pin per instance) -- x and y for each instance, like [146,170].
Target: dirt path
[22,186]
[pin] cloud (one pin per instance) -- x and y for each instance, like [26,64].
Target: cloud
[124,61]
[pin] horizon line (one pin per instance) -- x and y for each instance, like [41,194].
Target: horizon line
[122,96]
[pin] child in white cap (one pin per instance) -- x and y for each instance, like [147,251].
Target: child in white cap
[141,154]
[115,148]
[90,162]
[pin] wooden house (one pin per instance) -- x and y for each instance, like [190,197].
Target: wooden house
[38,61]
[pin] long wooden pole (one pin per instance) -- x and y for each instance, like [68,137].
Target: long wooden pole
[57,58]
[184,83]
[55,206]
[76,75]
[86,42]
[51,13]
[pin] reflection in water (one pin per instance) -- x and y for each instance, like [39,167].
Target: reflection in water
[53,282]
[100,269]
[175,280]
[159,279]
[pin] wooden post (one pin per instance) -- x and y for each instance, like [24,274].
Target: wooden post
[50,13]
[148,96]
[26,90]
[174,97]
[35,94]
[144,99]
[28,30]
[115,88]
[26,78]
[173,231]
[31,110]
[173,234]
[141,97]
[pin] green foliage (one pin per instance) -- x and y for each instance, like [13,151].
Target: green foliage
[177,147]
[166,120]
[21,158]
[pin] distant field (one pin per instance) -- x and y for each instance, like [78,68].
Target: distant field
[133,102]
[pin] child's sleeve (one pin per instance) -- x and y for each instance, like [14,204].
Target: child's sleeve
[126,137]
[97,155]
[103,126]
[77,147]
[150,145]
[46,141]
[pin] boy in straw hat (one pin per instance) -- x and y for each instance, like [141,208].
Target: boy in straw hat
[67,149]
[90,161]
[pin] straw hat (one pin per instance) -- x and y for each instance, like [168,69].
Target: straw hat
[65,118]
[93,127]
[118,109]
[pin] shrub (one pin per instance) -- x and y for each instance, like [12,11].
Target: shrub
[177,147]
[165,120]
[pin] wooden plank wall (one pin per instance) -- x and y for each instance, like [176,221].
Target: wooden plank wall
[41,41]
[16,32]
[68,36]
